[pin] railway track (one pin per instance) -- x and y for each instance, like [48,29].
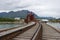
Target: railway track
[32,31]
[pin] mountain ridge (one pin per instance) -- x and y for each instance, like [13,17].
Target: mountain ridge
[21,14]
[12,14]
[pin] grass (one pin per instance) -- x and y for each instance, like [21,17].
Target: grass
[7,20]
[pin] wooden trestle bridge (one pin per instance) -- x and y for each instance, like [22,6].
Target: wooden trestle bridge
[31,31]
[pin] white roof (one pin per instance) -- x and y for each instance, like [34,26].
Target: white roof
[44,19]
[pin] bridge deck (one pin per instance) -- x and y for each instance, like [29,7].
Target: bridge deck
[27,35]
[49,33]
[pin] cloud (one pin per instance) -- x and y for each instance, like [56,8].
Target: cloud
[40,7]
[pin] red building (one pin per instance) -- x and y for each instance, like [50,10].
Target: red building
[30,17]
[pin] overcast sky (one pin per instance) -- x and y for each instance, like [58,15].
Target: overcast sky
[45,8]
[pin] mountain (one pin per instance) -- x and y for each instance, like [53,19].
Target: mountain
[21,14]
[12,14]
[47,18]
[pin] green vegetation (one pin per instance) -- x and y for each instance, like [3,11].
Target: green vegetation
[7,20]
[55,20]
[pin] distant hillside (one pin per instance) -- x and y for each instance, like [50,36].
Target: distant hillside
[21,14]
[47,18]
[12,14]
